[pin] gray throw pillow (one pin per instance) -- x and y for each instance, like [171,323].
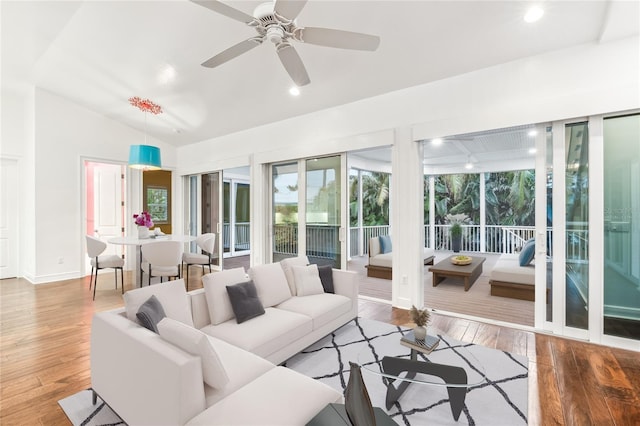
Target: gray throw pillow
[244,301]
[151,313]
[326,278]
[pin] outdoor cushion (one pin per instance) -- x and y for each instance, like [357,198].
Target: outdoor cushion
[385,244]
[508,269]
[527,253]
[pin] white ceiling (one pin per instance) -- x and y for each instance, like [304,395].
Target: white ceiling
[100,53]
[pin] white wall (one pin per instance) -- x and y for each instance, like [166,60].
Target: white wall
[65,134]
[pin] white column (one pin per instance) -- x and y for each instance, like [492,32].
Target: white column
[407,220]
[260,192]
[361,241]
[483,215]
[432,212]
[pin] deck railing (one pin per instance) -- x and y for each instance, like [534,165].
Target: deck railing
[242,236]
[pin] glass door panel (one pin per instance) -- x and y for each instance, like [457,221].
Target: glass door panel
[242,222]
[622,226]
[226,212]
[285,211]
[323,210]
[211,191]
[577,225]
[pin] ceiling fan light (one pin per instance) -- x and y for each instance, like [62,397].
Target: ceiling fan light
[294,91]
[436,142]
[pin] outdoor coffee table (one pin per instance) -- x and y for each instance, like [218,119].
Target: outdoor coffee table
[456,374]
[446,269]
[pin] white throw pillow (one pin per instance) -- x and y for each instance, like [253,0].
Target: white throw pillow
[286,267]
[171,295]
[197,343]
[307,280]
[271,284]
[215,290]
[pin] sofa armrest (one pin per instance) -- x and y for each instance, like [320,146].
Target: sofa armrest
[143,378]
[346,283]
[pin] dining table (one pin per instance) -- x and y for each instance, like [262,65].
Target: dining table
[137,242]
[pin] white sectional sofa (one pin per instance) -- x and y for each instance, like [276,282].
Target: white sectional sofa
[380,264]
[147,380]
[509,279]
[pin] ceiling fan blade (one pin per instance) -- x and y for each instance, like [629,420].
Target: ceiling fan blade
[338,38]
[289,9]
[232,52]
[293,64]
[225,10]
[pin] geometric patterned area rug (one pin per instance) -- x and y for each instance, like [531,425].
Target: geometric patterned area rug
[81,412]
[497,396]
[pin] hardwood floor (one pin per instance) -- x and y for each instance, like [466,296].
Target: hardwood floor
[45,339]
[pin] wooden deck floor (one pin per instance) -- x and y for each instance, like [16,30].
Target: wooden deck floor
[44,348]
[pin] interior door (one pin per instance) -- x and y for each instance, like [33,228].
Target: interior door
[212,212]
[8,219]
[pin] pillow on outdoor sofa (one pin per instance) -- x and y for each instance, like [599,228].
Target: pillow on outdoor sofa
[385,243]
[307,280]
[171,295]
[151,313]
[215,290]
[527,253]
[194,341]
[244,301]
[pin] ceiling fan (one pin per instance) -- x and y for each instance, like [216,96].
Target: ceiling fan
[275,21]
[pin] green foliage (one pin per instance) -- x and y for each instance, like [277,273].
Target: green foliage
[456,194]
[456,230]
[375,199]
[509,198]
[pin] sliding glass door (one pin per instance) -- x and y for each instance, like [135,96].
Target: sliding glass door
[211,211]
[308,210]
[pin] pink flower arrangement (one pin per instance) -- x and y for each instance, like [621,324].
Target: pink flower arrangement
[145,105]
[143,219]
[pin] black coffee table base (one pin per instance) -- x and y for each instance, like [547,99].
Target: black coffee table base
[450,374]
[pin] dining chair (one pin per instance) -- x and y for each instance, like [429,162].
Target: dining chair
[161,259]
[95,248]
[206,243]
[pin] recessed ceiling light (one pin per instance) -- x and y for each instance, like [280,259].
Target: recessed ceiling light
[533,14]
[294,91]
[532,133]
[436,142]
[532,151]
[167,74]
[469,165]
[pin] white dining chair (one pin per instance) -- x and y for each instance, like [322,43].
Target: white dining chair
[161,259]
[95,248]
[206,243]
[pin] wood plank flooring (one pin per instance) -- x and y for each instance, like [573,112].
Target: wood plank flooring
[45,338]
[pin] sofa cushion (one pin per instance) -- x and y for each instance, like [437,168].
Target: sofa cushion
[307,280]
[171,294]
[274,398]
[215,288]
[326,278]
[195,342]
[271,283]
[322,308]
[151,313]
[242,367]
[265,334]
[385,244]
[527,253]
[286,265]
[244,301]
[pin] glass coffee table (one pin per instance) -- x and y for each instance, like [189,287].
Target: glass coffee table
[427,365]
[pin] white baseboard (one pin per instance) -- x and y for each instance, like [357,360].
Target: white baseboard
[44,279]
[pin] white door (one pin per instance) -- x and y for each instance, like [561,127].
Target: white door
[105,212]
[8,219]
